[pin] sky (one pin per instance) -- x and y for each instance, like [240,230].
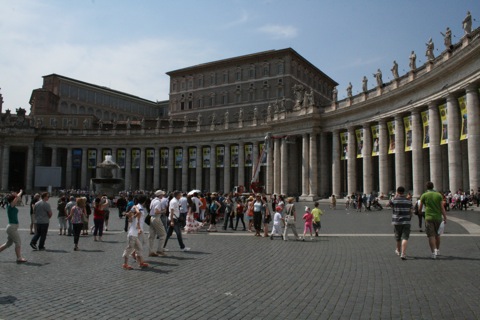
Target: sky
[129,45]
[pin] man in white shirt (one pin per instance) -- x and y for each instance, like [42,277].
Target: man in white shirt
[156,226]
[173,217]
[183,209]
[135,232]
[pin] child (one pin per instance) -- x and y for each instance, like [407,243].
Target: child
[308,217]
[277,227]
[316,212]
[135,231]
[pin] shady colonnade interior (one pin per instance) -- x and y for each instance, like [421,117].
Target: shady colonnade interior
[423,125]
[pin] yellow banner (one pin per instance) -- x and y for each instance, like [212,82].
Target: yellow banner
[178,158]
[248,155]
[462,102]
[192,158]
[106,152]
[391,137]
[220,156]
[206,157]
[92,159]
[344,143]
[234,156]
[443,119]
[407,122]
[376,145]
[262,155]
[121,154]
[150,153]
[359,134]
[426,130]
[135,158]
[164,158]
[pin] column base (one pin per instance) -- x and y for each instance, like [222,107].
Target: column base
[309,197]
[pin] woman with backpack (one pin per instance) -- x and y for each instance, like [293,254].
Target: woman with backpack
[213,209]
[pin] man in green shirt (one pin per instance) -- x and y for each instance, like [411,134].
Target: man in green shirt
[434,215]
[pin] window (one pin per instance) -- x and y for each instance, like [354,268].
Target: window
[265,94]
[279,92]
[280,68]
[212,79]
[238,75]
[225,77]
[190,104]
[190,84]
[174,86]
[200,82]
[182,105]
[182,86]
[238,97]
[200,103]
[266,70]
[225,98]
[251,72]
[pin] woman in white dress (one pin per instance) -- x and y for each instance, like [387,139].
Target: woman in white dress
[192,225]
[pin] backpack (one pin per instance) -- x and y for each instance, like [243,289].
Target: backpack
[213,207]
[415,209]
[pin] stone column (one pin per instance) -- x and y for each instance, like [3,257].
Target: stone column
[213,168]
[276,167]
[226,169]
[99,160]
[305,160]
[128,168]
[270,176]
[198,170]
[324,169]
[399,152]
[255,163]
[352,162]
[417,154]
[30,164]
[185,169]
[68,169]
[141,173]
[454,150]
[473,116]
[156,168]
[336,164]
[313,166]
[5,167]
[383,157]
[54,157]
[241,164]
[284,167]
[171,169]
[435,154]
[84,175]
[367,159]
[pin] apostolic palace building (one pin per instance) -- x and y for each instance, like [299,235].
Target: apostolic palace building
[421,126]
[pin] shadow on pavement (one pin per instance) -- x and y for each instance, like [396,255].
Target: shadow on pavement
[8,300]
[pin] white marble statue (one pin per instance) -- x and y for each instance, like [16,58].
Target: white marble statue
[413,61]
[447,38]
[364,84]
[378,77]
[429,52]
[349,90]
[467,23]
[395,69]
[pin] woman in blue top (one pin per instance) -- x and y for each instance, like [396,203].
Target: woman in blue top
[12,227]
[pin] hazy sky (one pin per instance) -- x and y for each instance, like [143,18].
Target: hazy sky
[129,45]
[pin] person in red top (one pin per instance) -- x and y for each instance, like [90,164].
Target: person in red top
[308,217]
[240,209]
[99,218]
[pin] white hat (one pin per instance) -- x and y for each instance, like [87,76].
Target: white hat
[159,193]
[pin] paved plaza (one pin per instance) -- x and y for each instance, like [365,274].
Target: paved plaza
[349,272]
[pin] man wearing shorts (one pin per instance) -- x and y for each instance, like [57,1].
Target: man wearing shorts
[401,216]
[434,211]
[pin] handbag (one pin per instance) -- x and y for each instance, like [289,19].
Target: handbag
[289,218]
[148,219]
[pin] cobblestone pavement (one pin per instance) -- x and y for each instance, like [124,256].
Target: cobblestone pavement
[349,272]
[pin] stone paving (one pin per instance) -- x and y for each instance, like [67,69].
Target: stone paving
[349,272]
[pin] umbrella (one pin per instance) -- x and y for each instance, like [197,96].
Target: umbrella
[194,191]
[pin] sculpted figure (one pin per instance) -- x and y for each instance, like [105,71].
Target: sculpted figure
[334,94]
[395,69]
[276,107]
[85,124]
[283,103]
[378,77]
[311,98]
[413,61]
[114,124]
[100,124]
[185,121]
[467,24]
[170,122]
[54,124]
[214,116]
[429,53]
[447,38]
[364,84]
[349,90]
[142,123]
[298,91]
[269,112]
[158,123]
[129,125]
[227,115]
[199,118]
[240,115]
[255,113]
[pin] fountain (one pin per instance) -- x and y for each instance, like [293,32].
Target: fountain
[106,183]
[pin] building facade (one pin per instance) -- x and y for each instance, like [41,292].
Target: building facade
[421,126]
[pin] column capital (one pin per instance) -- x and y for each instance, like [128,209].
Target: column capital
[351,129]
[451,97]
[382,121]
[415,112]
[471,87]
[398,117]
[432,104]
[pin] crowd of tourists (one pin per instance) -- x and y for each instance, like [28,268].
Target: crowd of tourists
[159,214]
